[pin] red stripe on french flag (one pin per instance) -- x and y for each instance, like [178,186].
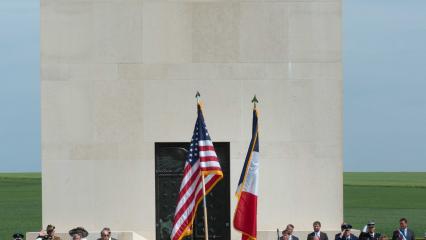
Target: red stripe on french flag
[245,219]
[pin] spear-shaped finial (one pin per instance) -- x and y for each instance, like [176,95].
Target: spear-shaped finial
[197,96]
[254,100]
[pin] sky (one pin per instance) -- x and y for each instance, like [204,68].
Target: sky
[384,59]
[384,51]
[19,86]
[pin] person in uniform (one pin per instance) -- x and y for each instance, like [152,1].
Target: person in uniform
[370,232]
[403,233]
[346,233]
[18,236]
[317,232]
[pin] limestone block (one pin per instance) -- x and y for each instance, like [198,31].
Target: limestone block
[314,31]
[263,32]
[118,111]
[167,32]
[66,112]
[91,31]
[117,31]
[166,104]
[215,36]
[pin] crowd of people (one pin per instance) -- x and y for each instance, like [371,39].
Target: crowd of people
[78,233]
[368,233]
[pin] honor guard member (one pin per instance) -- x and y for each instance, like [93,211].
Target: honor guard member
[346,233]
[403,233]
[18,236]
[370,232]
[317,232]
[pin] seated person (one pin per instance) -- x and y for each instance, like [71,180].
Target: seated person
[106,234]
[48,234]
[80,231]
[76,236]
[285,235]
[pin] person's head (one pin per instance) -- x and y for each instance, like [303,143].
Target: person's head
[317,226]
[105,233]
[50,230]
[18,236]
[383,237]
[286,236]
[289,229]
[76,237]
[403,223]
[346,229]
[371,226]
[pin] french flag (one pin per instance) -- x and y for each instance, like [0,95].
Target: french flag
[245,217]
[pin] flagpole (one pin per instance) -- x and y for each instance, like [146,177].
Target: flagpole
[206,226]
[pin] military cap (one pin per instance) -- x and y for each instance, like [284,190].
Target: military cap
[371,223]
[346,226]
[18,236]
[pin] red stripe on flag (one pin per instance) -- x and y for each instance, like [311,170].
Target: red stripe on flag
[206,148]
[208,159]
[245,214]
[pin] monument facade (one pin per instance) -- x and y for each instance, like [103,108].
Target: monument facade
[118,80]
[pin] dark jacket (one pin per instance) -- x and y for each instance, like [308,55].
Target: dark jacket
[292,237]
[367,236]
[398,236]
[323,236]
[351,237]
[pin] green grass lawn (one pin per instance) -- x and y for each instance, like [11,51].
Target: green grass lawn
[383,197]
[20,203]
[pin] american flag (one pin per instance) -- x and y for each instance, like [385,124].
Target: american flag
[201,159]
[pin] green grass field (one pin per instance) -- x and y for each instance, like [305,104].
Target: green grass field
[20,203]
[383,197]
